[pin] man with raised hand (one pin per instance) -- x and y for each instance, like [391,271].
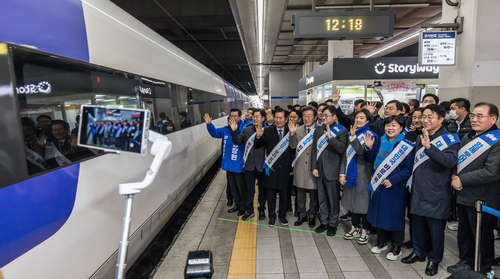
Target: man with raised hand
[232,159]
[435,158]
[301,139]
[254,159]
[478,178]
[278,164]
[329,143]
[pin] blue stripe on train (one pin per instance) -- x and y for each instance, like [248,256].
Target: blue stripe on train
[54,26]
[34,210]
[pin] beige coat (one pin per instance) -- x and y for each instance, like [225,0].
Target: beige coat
[303,177]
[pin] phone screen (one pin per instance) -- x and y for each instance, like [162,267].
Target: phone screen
[120,129]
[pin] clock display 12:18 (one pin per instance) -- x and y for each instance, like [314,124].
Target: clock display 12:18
[336,24]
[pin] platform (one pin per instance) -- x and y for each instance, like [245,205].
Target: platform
[253,250]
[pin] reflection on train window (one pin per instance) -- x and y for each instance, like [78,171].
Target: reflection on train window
[52,89]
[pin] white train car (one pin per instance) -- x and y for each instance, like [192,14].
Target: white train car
[65,221]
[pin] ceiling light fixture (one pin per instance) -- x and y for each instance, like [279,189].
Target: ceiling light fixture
[260,20]
[395,44]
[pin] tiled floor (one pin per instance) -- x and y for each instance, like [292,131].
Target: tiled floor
[284,252]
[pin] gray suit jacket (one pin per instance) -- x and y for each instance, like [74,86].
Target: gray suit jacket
[255,158]
[303,177]
[328,164]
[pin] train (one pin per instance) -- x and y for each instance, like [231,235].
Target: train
[55,55]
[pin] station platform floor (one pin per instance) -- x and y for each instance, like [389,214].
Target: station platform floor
[252,249]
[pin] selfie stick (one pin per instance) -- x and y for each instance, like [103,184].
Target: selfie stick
[159,150]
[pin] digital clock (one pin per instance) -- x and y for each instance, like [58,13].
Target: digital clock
[344,25]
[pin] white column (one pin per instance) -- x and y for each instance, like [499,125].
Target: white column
[476,73]
[340,49]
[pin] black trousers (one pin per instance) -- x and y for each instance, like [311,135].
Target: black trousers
[428,237]
[329,200]
[301,202]
[357,219]
[409,215]
[396,237]
[271,202]
[250,177]
[236,182]
[229,195]
[454,207]
[466,236]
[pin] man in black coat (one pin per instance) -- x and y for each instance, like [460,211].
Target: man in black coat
[278,179]
[253,165]
[477,179]
[326,169]
[435,158]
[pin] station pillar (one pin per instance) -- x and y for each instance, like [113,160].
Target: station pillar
[340,49]
[476,75]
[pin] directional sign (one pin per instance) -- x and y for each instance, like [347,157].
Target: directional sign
[437,48]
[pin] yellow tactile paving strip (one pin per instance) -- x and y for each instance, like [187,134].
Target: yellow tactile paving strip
[244,255]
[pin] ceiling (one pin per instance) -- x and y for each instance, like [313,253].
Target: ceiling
[204,29]
[222,34]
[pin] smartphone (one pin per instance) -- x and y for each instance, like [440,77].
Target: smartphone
[117,129]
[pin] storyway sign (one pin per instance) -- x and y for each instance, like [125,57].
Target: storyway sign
[437,48]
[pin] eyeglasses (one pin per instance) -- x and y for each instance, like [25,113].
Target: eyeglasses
[428,117]
[327,115]
[478,116]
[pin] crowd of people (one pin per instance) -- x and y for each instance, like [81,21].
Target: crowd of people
[122,135]
[428,162]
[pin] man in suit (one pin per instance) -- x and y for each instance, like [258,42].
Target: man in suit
[185,122]
[253,163]
[325,166]
[278,174]
[303,178]
[60,130]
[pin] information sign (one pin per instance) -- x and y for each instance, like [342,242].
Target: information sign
[437,48]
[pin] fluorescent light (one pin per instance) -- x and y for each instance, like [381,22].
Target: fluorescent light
[260,20]
[395,44]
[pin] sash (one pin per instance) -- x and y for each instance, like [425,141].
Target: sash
[35,158]
[406,131]
[248,146]
[442,142]
[60,158]
[351,152]
[276,153]
[304,143]
[323,140]
[476,148]
[390,163]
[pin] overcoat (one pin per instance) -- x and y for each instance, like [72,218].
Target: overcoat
[356,199]
[303,177]
[431,190]
[388,205]
[279,177]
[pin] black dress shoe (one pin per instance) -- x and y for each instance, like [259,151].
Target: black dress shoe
[321,228]
[262,215]
[312,222]
[233,209]
[241,212]
[300,221]
[229,203]
[412,258]
[331,231]
[431,269]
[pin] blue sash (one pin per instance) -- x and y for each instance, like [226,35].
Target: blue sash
[406,130]
[323,140]
[442,142]
[304,143]
[276,153]
[475,148]
[390,163]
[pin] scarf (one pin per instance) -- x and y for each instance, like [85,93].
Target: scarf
[386,148]
[352,169]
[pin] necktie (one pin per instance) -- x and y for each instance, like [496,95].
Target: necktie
[308,130]
[281,134]
[59,143]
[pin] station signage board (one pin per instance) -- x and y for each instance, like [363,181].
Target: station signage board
[437,48]
[343,25]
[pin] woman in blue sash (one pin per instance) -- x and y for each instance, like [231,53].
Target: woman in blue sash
[355,176]
[387,205]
